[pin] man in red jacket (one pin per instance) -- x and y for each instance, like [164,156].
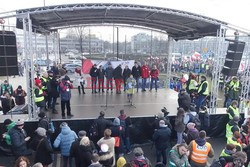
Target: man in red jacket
[154,73]
[144,75]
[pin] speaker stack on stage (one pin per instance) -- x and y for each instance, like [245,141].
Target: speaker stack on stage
[233,57]
[8,54]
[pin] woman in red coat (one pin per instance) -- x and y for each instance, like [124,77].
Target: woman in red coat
[154,73]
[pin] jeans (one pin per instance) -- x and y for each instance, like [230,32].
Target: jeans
[53,103]
[152,81]
[144,82]
[67,103]
[179,137]
[200,102]
[93,83]
[101,84]
[127,144]
[228,102]
[137,83]
[163,154]
[67,161]
[110,82]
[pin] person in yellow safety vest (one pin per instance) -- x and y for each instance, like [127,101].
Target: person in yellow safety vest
[203,92]
[232,126]
[191,86]
[221,82]
[203,67]
[232,110]
[178,156]
[226,154]
[44,81]
[235,140]
[39,95]
[200,150]
[233,88]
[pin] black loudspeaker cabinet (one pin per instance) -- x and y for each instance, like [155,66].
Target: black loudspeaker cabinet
[8,53]
[233,57]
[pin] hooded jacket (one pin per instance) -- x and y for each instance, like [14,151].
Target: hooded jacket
[109,73]
[9,127]
[65,139]
[177,159]
[65,90]
[161,137]
[117,73]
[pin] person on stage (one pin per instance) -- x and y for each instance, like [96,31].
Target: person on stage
[154,73]
[136,72]
[232,90]
[118,78]
[203,92]
[130,85]
[126,74]
[109,76]
[191,86]
[144,76]
[101,74]
[93,73]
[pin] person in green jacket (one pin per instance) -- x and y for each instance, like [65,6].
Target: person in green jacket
[9,125]
[178,156]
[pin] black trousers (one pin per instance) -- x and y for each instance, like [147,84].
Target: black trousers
[67,103]
[81,87]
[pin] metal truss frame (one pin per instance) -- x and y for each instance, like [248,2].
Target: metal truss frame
[169,59]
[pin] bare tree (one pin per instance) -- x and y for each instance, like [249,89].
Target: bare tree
[80,33]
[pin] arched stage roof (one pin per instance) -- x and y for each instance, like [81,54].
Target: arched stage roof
[177,24]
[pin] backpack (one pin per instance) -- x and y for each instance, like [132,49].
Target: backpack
[195,119]
[139,163]
[93,131]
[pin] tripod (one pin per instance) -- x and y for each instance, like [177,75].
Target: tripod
[106,103]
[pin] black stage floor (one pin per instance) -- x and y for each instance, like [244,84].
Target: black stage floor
[147,103]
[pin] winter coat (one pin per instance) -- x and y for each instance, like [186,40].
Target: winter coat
[18,144]
[106,159]
[65,139]
[65,90]
[184,101]
[102,124]
[101,74]
[144,71]
[192,134]
[93,72]
[126,74]
[74,151]
[118,131]
[6,87]
[111,143]
[109,73]
[7,104]
[177,159]
[43,150]
[44,123]
[166,120]
[54,84]
[117,73]
[161,137]
[154,73]
[7,136]
[84,154]
[136,72]
[179,124]
[19,96]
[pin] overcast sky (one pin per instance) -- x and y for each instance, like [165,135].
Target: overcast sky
[235,12]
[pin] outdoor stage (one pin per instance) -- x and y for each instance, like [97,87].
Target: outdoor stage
[148,104]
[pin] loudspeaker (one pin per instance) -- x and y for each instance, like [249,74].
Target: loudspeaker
[233,57]
[8,53]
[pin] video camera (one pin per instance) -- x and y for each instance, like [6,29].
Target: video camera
[165,111]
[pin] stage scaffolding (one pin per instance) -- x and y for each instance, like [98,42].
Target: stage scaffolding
[30,47]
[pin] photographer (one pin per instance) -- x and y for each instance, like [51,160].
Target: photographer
[19,95]
[65,92]
[163,115]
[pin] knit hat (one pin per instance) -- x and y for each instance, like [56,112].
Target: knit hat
[192,108]
[104,148]
[20,122]
[121,162]
[7,122]
[116,122]
[41,131]
[41,114]
[190,125]
[37,82]
[63,124]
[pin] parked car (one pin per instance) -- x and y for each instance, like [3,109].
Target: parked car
[71,67]
[114,59]
[75,62]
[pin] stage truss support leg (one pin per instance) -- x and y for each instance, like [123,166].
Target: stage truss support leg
[219,59]
[169,59]
[28,52]
[245,78]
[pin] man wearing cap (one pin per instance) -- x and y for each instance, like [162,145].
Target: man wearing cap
[232,126]
[19,95]
[39,95]
[109,76]
[65,92]
[232,90]
[118,78]
[161,138]
[75,146]
[6,87]
[136,72]
[200,150]
[93,73]
[18,140]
